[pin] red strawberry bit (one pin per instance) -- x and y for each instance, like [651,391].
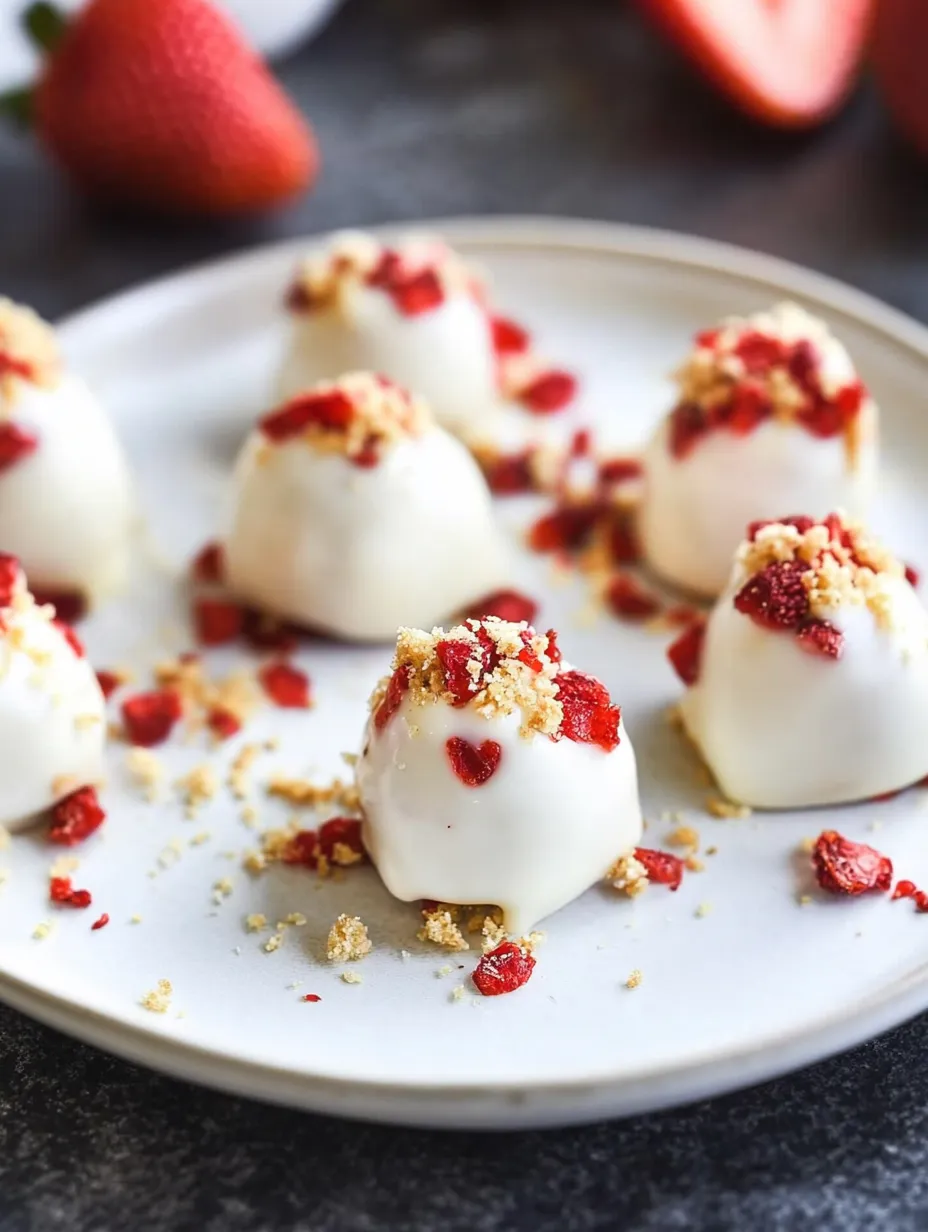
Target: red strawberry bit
[312,997]
[413,292]
[393,698]
[70,605]
[759,352]
[454,657]
[688,425]
[589,715]
[553,650]
[685,654]
[613,471]
[912,575]
[217,622]
[285,685]
[302,849]
[629,600]
[71,638]
[707,338]
[262,631]
[16,444]
[61,891]
[508,337]
[503,970]
[332,410]
[209,563]
[818,637]
[549,393]
[10,365]
[905,889]
[844,867]
[775,598]
[150,717]
[682,615]
[748,408]
[802,523]
[474,764]
[109,682]
[76,817]
[509,605]
[223,723]
[662,867]
[921,900]
[511,474]
[624,544]
[9,578]
[566,527]
[343,831]
[101,923]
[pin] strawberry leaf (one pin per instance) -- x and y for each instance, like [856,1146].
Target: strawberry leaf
[45,24]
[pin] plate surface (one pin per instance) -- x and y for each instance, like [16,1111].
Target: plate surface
[739,982]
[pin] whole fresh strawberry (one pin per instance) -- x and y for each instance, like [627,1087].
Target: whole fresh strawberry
[162,104]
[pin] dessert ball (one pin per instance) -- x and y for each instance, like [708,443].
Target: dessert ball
[809,683]
[494,773]
[770,415]
[65,493]
[52,723]
[418,314]
[355,513]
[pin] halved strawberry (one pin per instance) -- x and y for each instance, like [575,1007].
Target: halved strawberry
[789,63]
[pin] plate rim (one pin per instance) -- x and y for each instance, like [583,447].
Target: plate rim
[444,1103]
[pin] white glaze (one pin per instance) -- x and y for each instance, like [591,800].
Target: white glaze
[52,720]
[358,552]
[781,728]
[545,827]
[696,509]
[66,509]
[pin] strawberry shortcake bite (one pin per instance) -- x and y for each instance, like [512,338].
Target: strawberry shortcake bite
[355,514]
[493,772]
[65,492]
[52,723]
[808,684]
[416,312]
[770,414]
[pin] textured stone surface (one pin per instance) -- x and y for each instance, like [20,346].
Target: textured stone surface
[453,107]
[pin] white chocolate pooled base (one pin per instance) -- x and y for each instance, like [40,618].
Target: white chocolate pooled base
[52,722]
[696,509]
[67,509]
[444,356]
[545,827]
[781,728]
[359,552]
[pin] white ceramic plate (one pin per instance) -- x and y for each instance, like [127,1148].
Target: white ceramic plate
[756,986]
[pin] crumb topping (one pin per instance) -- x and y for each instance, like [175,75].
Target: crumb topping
[28,351]
[158,1000]
[237,694]
[439,926]
[783,365]
[348,939]
[629,875]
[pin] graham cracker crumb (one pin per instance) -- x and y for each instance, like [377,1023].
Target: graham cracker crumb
[255,923]
[439,927]
[351,977]
[41,931]
[146,770]
[727,809]
[684,836]
[64,866]
[239,781]
[158,1001]
[703,910]
[634,979]
[348,940]
[301,793]
[629,875]
[274,942]
[135,919]
[807,845]
[197,787]
[222,889]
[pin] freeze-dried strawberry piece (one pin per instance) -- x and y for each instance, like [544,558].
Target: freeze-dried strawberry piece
[109,682]
[455,656]
[759,352]
[553,650]
[624,544]
[818,637]
[508,337]
[912,575]
[845,867]
[474,764]
[550,392]
[629,600]
[905,889]
[393,698]
[343,832]
[9,578]
[61,890]
[150,717]
[332,410]
[302,849]
[801,522]
[613,471]
[311,997]
[101,923]
[566,527]
[509,605]
[71,638]
[70,605]
[285,685]
[804,363]
[15,445]
[509,475]
[685,654]
[413,292]
[217,622]
[223,723]
[749,407]
[503,970]
[589,715]
[209,563]
[661,867]
[775,597]
[76,817]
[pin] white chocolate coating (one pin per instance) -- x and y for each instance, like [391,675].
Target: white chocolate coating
[781,728]
[52,720]
[445,356]
[544,828]
[66,510]
[358,552]
[696,508]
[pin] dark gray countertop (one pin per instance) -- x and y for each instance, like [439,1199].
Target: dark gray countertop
[454,107]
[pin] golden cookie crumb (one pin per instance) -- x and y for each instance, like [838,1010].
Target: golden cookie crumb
[727,809]
[348,940]
[158,1001]
[634,979]
[439,927]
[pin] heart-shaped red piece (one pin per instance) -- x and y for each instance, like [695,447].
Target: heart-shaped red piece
[473,763]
